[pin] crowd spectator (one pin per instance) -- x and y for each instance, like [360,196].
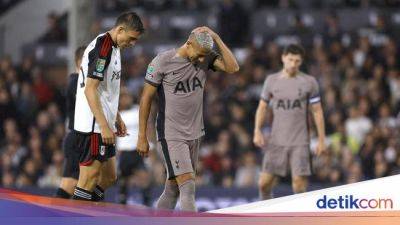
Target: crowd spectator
[56,30]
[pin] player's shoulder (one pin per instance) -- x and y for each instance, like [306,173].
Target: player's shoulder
[97,43]
[98,38]
[307,77]
[272,76]
[101,35]
[166,54]
[163,57]
[103,41]
[104,37]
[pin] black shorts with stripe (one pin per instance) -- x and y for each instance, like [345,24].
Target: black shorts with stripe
[91,148]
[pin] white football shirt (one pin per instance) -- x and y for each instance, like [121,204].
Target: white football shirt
[101,60]
[131,119]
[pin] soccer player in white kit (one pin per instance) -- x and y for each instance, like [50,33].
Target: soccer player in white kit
[97,120]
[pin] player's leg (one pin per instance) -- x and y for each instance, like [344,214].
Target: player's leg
[178,161]
[180,158]
[169,196]
[66,188]
[187,191]
[108,174]
[131,163]
[145,186]
[274,164]
[71,167]
[300,163]
[108,177]
[88,178]
[299,184]
[124,172]
[266,183]
[90,164]
[186,181]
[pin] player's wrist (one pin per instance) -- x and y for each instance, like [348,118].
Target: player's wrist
[119,118]
[142,136]
[104,127]
[257,130]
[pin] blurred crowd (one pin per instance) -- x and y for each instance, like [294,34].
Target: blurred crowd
[56,29]
[159,5]
[359,78]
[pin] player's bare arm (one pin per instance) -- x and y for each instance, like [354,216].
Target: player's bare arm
[226,62]
[92,97]
[318,115]
[144,110]
[121,127]
[261,113]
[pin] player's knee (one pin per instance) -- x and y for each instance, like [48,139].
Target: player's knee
[299,184]
[265,183]
[180,179]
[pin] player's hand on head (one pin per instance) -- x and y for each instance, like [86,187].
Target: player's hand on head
[206,29]
[258,139]
[107,136]
[143,147]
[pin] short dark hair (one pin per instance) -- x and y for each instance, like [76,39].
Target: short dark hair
[294,49]
[79,54]
[131,20]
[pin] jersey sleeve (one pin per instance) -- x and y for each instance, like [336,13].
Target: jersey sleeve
[314,95]
[154,74]
[99,57]
[266,93]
